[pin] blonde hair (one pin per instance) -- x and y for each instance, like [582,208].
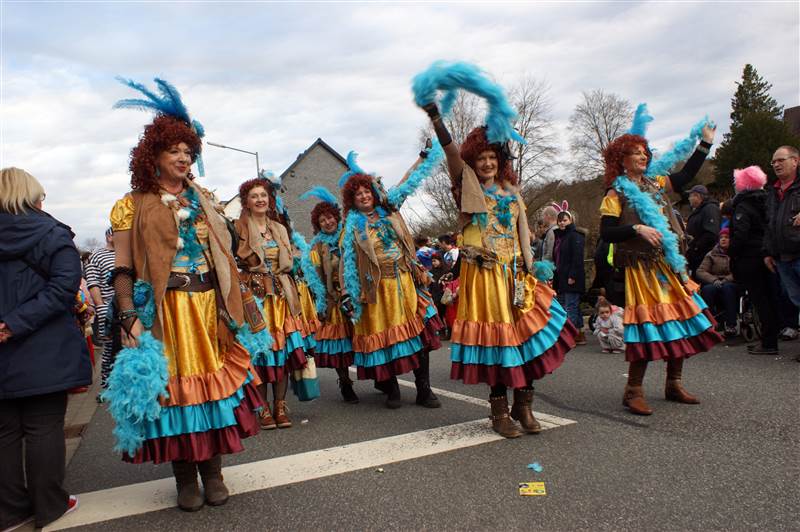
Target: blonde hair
[19,191]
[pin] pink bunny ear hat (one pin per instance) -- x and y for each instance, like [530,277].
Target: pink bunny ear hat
[750,178]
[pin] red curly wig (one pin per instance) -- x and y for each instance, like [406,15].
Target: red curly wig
[321,208]
[615,153]
[164,132]
[353,184]
[250,184]
[476,143]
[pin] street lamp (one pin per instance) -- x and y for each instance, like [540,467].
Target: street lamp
[258,168]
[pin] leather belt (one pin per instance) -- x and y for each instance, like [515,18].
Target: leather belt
[190,282]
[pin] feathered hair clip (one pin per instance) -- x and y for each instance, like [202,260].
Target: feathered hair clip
[750,178]
[322,194]
[167,102]
[377,184]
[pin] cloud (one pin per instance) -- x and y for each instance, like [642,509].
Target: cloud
[273,77]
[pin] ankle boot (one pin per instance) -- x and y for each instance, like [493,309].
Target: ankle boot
[211,473]
[392,394]
[501,422]
[521,410]
[346,387]
[189,497]
[674,391]
[265,418]
[281,419]
[634,400]
[425,396]
[581,338]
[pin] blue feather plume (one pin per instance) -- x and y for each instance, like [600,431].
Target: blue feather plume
[399,193]
[169,102]
[321,193]
[352,168]
[139,377]
[641,120]
[450,77]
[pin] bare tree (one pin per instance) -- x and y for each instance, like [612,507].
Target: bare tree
[596,121]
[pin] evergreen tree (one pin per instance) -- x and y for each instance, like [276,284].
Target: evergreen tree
[752,96]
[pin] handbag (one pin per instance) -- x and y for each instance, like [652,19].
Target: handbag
[305,382]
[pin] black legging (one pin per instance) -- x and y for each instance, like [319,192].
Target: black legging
[499,390]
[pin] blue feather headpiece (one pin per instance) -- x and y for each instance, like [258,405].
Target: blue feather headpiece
[352,168]
[322,194]
[167,102]
[449,78]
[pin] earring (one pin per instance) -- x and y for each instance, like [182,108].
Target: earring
[158,172]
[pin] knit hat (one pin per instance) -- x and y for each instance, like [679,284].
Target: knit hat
[699,189]
[725,231]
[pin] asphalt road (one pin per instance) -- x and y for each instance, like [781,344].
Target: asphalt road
[730,463]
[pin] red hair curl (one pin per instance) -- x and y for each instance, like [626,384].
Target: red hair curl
[615,153]
[250,184]
[321,208]
[353,184]
[165,131]
[476,143]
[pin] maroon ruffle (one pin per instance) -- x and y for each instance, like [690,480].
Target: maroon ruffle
[683,348]
[268,374]
[430,334]
[324,360]
[520,376]
[201,446]
[392,369]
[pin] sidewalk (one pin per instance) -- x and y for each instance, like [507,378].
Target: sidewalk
[80,409]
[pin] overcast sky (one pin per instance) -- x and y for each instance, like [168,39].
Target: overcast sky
[272,77]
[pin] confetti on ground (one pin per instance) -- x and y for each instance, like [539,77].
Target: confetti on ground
[379,470]
[536,466]
[303,421]
[532,488]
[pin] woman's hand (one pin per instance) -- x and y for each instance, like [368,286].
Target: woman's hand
[132,339]
[570,281]
[709,131]
[649,234]
[5,332]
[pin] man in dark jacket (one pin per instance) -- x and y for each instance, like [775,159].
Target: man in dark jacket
[569,281]
[702,226]
[42,355]
[782,239]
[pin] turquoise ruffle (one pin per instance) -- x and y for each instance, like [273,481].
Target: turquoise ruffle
[389,354]
[334,347]
[277,359]
[176,420]
[666,332]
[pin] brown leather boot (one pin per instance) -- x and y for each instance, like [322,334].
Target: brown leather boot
[501,422]
[674,390]
[634,400]
[211,473]
[265,418]
[581,338]
[521,410]
[189,497]
[281,419]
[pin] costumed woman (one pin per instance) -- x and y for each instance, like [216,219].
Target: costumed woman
[183,390]
[665,317]
[266,259]
[509,328]
[395,327]
[334,348]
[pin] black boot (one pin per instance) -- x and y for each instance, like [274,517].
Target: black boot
[392,393]
[425,396]
[346,387]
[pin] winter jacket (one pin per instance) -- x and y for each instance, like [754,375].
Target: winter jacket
[40,274]
[703,228]
[569,260]
[748,223]
[782,238]
[716,265]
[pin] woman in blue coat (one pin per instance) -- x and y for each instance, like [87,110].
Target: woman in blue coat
[42,352]
[569,281]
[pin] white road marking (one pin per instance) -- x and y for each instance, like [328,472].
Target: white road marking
[135,499]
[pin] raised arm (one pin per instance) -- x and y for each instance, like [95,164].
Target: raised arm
[455,164]
[678,180]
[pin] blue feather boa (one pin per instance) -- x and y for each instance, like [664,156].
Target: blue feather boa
[544,270]
[352,283]
[188,232]
[315,284]
[139,377]
[398,194]
[449,77]
[650,214]
[144,302]
[254,343]
[679,152]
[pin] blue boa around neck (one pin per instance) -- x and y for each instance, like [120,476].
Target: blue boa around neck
[398,194]
[502,208]
[352,283]
[315,284]
[650,214]
[450,77]
[139,377]
[187,230]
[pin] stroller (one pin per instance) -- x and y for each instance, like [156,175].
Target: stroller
[749,323]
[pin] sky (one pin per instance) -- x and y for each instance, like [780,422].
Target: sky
[272,77]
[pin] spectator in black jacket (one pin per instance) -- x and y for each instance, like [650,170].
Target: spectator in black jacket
[748,226]
[782,239]
[569,281]
[42,352]
[702,226]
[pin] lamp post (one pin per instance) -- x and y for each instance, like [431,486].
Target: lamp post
[258,167]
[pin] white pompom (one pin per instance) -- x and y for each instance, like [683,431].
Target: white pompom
[183,214]
[166,198]
[180,243]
